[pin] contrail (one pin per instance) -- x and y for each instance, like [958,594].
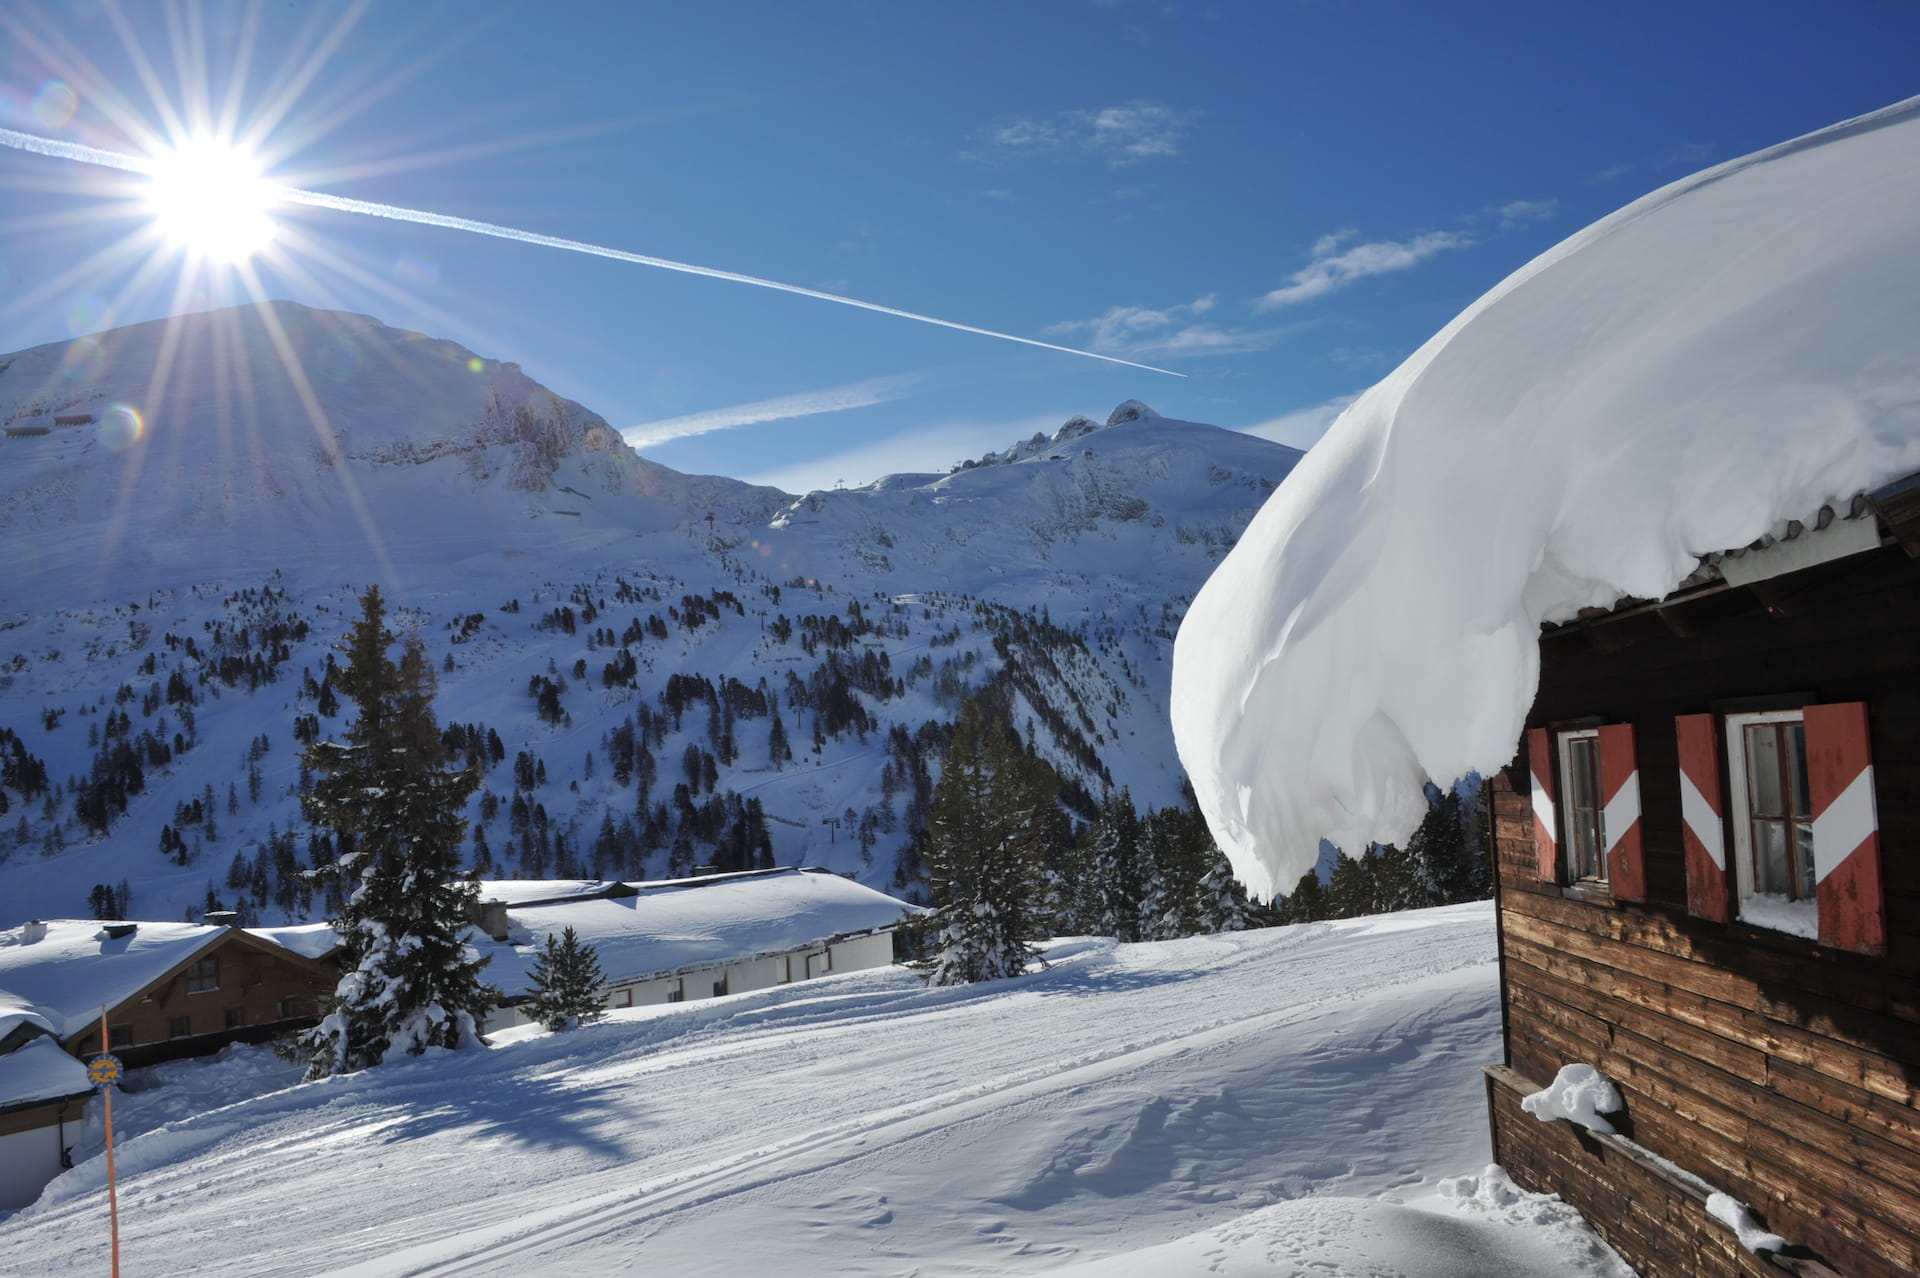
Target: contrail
[393,212]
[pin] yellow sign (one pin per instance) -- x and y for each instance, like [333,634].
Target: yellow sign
[104,1071]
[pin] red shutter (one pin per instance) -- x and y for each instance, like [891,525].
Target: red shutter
[1540,764]
[1620,793]
[1702,814]
[1846,829]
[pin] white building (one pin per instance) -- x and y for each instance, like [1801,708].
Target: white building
[701,938]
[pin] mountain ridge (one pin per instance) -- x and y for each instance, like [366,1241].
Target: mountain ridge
[172,596]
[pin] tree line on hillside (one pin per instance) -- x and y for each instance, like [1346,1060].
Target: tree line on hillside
[1006,867]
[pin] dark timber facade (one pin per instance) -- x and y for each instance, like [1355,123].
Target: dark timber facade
[1708,864]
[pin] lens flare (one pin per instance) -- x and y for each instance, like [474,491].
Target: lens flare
[89,314]
[208,197]
[83,361]
[121,428]
[54,106]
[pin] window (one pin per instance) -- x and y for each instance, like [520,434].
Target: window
[179,1027]
[720,986]
[1771,811]
[620,998]
[236,1017]
[284,1010]
[677,992]
[203,976]
[1584,813]
[119,1036]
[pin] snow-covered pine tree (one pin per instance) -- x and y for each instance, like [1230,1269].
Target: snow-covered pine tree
[1112,882]
[1223,904]
[566,981]
[985,846]
[411,982]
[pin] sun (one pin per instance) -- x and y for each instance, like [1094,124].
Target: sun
[208,197]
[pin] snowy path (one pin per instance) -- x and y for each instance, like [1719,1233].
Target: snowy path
[1129,1096]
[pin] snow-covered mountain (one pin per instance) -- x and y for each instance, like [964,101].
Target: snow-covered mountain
[189,509]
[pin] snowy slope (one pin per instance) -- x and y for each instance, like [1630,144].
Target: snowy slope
[864,1124]
[194,578]
[1724,355]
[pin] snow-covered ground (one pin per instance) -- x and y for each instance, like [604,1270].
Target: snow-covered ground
[1291,1101]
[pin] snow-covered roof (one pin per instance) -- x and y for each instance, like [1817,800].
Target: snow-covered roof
[516,892]
[40,1071]
[675,925]
[19,1020]
[309,940]
[1731,352]
[68,974]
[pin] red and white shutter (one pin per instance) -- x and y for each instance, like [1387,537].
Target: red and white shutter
[1545,822]
[1846,833]
[1620,793]
[1702,816]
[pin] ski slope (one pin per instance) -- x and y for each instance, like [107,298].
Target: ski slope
[1128,1098]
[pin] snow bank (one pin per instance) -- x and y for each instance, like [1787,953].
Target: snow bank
[1579,1094]
[1733,1213]
[1481,1227]
[1725,354]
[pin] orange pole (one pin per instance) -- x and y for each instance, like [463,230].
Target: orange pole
[113,1195]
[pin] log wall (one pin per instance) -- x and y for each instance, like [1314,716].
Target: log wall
[1778,1071]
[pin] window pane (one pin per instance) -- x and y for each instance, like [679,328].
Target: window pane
[1763,769]
[1770,857]
[1580,780]
[1803,835]
[1797,763]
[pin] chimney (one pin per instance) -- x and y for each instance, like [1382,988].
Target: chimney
[220,918]
[33,932]
[115,931]
[491,917]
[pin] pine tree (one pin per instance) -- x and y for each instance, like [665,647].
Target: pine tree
[1110,880]
[411,982]
[985,847]
[566,983]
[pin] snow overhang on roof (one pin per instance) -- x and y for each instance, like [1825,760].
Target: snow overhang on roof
[1725,354]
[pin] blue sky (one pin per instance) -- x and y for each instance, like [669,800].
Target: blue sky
[1280,200]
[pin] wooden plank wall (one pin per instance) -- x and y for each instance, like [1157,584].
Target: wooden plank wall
[1780,1072]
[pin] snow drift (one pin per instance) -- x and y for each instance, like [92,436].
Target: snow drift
[1721,356]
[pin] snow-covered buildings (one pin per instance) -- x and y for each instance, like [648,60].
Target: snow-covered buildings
[1707,765]
[165,989]
[687,939]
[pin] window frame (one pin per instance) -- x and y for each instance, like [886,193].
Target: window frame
[1799,907]
[203,975]
[1563,748]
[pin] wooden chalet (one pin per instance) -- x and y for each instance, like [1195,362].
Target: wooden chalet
[1708,856]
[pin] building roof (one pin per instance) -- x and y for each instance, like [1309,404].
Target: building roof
[73,970]
[309,940]
[518,892]
[40,1071]
[694,922]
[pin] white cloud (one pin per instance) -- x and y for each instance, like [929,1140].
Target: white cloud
[930,449]
[1334,267]
[833,399]
[1523,213]
[1612,173]
[1120,135]
[1302,427]
[1172,330]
